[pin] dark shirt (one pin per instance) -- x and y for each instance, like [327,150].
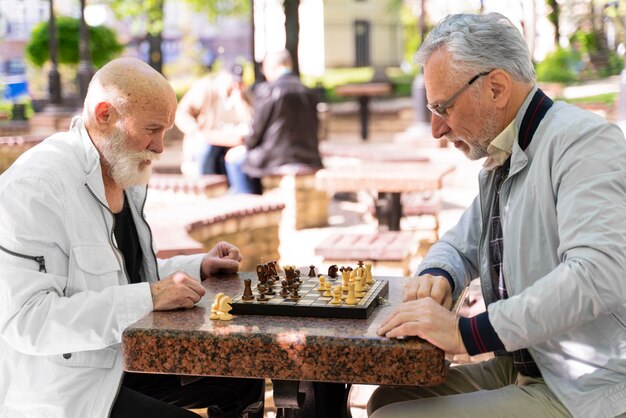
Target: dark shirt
[128,242]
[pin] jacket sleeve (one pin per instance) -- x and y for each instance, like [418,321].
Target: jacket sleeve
[190,107]
[588,179]
[263,106]
[42,312]
[457,251]
[190,264]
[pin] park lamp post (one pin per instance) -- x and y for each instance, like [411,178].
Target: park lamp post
[85,72]
[54,79]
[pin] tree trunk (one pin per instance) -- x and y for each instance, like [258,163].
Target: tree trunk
[553,17]
[155,38]
[292,31]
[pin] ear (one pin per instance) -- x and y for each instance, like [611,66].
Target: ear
[103,113]
[500,87]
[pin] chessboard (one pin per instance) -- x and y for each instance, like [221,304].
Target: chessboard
[312,303]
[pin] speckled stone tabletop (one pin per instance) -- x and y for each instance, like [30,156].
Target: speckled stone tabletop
[279,347]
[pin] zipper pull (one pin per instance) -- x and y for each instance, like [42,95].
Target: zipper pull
[42,264]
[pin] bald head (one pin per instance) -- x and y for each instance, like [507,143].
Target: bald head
[276,63]
[128,85]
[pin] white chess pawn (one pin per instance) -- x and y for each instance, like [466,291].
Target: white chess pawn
[327,286]
[321,287]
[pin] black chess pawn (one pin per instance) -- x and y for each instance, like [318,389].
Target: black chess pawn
[294,293]
[285,288]
[269,289]
[312,271]
[262,292]
[247,291]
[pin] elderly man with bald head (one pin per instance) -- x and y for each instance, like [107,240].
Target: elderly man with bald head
[77,264]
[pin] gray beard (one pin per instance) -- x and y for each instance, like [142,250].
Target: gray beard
[124,163]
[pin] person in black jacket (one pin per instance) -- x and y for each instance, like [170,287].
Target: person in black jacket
[284,129]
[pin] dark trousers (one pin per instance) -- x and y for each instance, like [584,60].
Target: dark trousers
[163,396]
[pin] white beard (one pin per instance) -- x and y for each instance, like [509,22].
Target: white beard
[124,164]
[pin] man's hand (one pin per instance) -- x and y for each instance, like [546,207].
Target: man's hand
[426,319]
[427,286]
[223,258]
[176,291]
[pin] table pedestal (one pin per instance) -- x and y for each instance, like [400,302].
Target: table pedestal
[389,210]
[295,399]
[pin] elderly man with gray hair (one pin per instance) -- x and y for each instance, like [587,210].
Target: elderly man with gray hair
[546,235]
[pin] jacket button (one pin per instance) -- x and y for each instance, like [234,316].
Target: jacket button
[67,356]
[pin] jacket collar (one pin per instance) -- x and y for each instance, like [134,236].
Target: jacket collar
[519,159]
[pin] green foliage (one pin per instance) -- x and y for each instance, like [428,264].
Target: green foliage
[606,98]
[615,65]
[152,11]
[587,42]
[559,66]
[102,43]
[334,77]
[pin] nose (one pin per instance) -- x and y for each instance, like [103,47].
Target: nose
[439,126]
[156,145]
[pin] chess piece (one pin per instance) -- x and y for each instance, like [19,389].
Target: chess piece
[327,287]
[247,290]
[269,287]
[271,266]
[261,272]
[312,271]
[332,271]
[261,297]
[216,301]
[221,307]
[321,287]
[368,269]
[224,308]
[294,294]
[285,288]
[345,277]
[351,299]
[336,296]
[358,288]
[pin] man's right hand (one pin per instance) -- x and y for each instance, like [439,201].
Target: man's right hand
[436,287]
[176,291]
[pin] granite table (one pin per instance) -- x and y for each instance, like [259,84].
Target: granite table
[317,357]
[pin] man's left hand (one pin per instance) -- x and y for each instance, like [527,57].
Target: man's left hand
[223,258]
[426,319]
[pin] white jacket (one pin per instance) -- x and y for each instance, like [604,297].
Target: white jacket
[563,213]
[64,296]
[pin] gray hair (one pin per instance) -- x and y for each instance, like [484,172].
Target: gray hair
[478,43]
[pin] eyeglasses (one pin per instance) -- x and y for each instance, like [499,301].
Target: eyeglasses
[440,109]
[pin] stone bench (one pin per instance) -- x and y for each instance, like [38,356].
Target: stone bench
[385,248]
[423,204]
[11,147]
[305,205]
[191,224]
[210,185]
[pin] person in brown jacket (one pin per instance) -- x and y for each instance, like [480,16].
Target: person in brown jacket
[214,115]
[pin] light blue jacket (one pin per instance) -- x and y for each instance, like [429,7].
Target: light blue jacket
[60,329]
[563,211]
